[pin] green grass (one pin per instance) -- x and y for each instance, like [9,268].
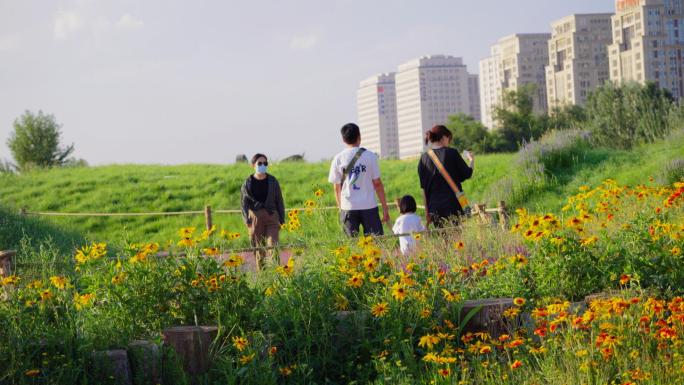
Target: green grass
[153,188]
[138,188]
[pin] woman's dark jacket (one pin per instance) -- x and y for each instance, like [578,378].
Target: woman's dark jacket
[273,203]
[441,200]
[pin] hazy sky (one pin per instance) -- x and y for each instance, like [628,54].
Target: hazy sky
[167,81]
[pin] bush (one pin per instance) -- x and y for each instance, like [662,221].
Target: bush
[622,116]
[537,164]
[673,172]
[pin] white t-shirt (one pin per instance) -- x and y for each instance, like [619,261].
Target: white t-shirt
[407,224]
[358,192]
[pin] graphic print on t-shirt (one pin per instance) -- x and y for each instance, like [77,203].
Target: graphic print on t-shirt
[355,174]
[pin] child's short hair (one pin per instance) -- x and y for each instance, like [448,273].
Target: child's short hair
[407,204]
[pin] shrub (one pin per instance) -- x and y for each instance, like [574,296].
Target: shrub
[622,116]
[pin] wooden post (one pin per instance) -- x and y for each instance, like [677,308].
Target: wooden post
[145,359]
[207,217]
[503,215]
[490,316]
[112,367]
[192,345]
[484,216]
[6,262]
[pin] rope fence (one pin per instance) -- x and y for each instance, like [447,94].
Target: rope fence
[478,211]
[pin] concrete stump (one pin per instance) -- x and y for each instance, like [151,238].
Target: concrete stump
[146,362]
[111,367]
[604,295]
[490,317]
[192,344]
[6,262]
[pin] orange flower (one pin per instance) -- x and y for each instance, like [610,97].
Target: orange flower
[518,301]
[624,279]
[444,372]
[516,364]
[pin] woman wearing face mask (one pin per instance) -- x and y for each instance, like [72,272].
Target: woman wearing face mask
[263,210]
[440,201]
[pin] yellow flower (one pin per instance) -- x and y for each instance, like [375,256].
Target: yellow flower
[45,295]
[365,241]
[370,264]
[398,292]
[428,341]
[286,371]
[211,251]
[32,373]
[288,269]
[676,251]
[118,278]
[240,343]
[511,312]
[59,282]
[318,193]
[234,261]
[588,241]
[380,279]
[341,302]
[187,242]
[356,280]
[309,203]
[247,358]
[451,297]
[380,309]
[425,313]
[518,301]
[459,245]
[83,300]
[186,232]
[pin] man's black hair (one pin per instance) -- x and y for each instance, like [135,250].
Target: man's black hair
[407,204]
[350,133]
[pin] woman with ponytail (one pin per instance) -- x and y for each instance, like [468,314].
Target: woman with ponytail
[441,203]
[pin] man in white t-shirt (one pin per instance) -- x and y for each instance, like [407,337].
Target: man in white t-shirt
[357,186]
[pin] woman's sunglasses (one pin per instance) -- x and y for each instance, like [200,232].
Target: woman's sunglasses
[262,163]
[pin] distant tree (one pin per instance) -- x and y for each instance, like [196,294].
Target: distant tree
[36,141]
[566,117]
[620,116]
[470,134]
[516,120]
[241,158]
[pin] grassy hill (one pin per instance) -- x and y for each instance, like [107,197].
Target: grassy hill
[153,188]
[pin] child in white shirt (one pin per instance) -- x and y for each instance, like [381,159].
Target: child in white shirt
[407,223]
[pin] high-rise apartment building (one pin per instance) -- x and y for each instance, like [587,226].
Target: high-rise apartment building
[648,41]
[377,115]
[429,89]
[474,95]
[516,61]
[578,58]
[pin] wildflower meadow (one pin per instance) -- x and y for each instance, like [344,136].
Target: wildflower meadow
[356,311]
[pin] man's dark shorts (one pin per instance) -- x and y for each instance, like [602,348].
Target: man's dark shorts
[369,219]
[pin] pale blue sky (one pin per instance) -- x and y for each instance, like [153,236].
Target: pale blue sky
[167,81]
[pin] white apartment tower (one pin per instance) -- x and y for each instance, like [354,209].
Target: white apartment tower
[377,115]
[474,95]
[578,58]
[648,41]
[429,89]
[517,60]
